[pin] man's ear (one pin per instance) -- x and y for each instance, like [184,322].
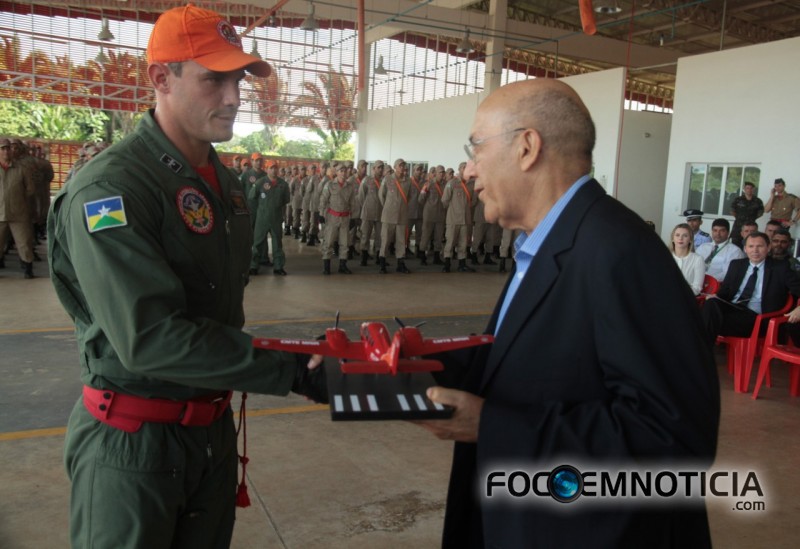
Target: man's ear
[159,76]
[529,149]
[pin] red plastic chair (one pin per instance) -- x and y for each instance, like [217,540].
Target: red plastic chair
[710,287]
[772,350]
[742,351]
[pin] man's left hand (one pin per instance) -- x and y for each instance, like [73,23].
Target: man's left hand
[463,426]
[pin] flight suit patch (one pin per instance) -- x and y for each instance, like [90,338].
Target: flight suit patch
[195,210]
[239,204]
[106,213]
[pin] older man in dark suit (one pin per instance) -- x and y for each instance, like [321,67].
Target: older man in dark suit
[599,354]
[754,285]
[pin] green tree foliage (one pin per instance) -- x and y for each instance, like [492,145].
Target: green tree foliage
[41,121]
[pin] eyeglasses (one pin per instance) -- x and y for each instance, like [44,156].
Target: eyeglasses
[469,148]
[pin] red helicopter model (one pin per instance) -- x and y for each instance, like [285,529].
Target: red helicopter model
[377,352]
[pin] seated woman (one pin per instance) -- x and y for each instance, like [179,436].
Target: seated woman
[691,264]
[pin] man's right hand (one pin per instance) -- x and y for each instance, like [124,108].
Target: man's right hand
[310,379]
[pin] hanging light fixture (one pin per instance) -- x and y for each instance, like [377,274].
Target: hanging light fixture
[254,51]
[607,7]
[105,33]
[379,69]
[310,23]
[465,46]
[101,58]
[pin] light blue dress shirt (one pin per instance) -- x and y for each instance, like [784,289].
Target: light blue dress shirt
[527,245]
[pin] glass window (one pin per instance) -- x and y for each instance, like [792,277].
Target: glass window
[706,191]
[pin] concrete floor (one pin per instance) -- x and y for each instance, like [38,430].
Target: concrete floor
[317,483]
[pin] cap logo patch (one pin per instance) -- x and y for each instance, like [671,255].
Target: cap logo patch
[228,33]
[195,210]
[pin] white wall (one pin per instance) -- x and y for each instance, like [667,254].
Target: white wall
[434,131]
[643,163]
[602,92]
[739,105]
[437,130]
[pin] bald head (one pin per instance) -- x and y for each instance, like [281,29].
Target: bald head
[552,108]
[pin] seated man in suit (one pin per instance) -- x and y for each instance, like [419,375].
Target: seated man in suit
[754,285]
[720,251]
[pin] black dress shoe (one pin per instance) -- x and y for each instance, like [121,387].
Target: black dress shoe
[279,272]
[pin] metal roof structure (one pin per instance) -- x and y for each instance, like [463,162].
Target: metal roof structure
[530,37]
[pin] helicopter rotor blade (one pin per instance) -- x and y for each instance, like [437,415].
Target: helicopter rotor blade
[399,322]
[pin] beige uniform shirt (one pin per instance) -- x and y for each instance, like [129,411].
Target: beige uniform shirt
[16,188]
[457,199]
[393,195]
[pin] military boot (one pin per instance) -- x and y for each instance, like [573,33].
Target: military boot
[287,230]
[423,259]
[2,263]
[296,233]
[343,267]
[303,238]
[487,260]
[27,269]
[502,267]
[463,268]
[446,268]
[382,263]
[401,267]
[364,257]
[351,252]
[473,257]
[437,259]
[326,266]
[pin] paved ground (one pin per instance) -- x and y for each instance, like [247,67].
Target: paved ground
[313,482]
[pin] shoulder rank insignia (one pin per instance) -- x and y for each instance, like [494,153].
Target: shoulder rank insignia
[106,213]
[171,163]
[195,210]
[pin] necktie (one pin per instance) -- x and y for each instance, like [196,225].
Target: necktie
[712,254]
[750,286]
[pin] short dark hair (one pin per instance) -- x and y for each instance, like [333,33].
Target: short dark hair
[783,232]
[722,222]
[750,224]
[749,184]
[776,223]
[176,68]
[756,234]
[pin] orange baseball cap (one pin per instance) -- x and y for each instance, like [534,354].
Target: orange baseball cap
[189,33]
[255,155]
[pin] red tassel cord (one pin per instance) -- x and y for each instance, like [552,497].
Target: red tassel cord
[242,499]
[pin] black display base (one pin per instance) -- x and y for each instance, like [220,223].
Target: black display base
[365,397]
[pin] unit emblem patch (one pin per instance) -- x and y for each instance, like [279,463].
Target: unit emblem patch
[195,210]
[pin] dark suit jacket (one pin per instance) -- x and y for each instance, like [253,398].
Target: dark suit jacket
[600,357]
[779,281]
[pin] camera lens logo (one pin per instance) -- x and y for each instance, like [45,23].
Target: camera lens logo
[565,484]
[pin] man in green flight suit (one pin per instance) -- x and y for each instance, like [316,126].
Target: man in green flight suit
[267,199]
[149,247]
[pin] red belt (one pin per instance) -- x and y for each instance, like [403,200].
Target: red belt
[781,220]
[338,214]
[128,412]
